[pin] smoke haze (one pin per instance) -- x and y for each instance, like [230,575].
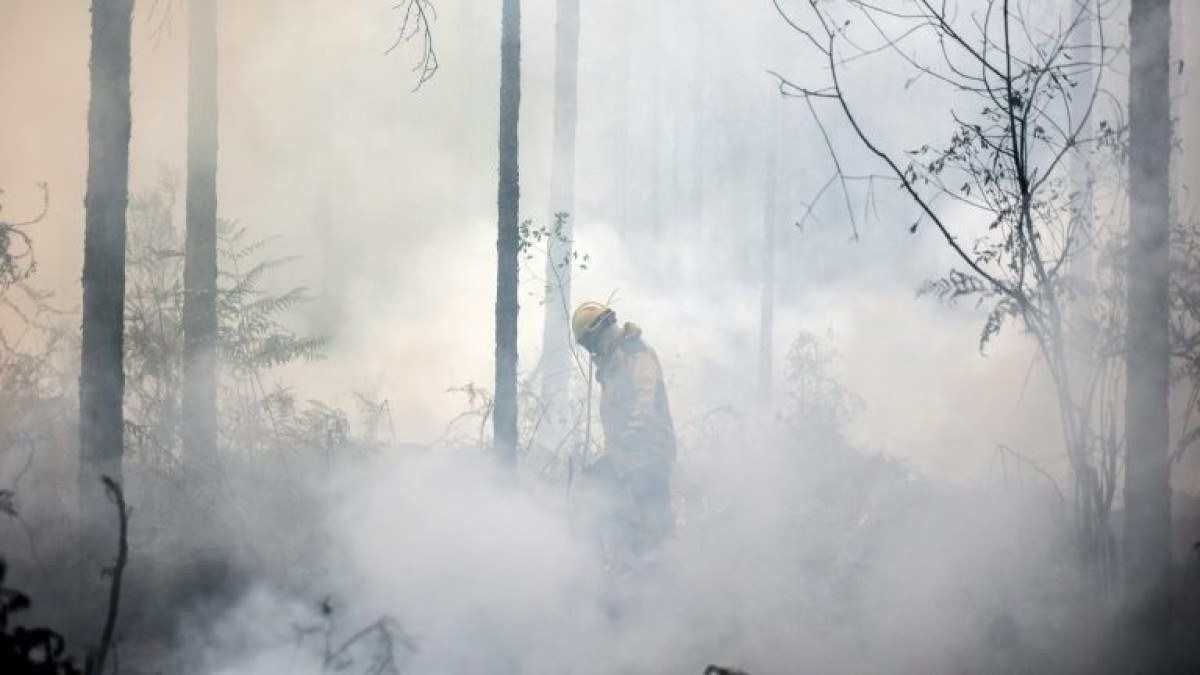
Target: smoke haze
[388,197]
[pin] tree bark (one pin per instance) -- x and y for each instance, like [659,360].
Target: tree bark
[1147,475]
[504,414]
[101,379]
[556,334]
[199,425]
[101,366]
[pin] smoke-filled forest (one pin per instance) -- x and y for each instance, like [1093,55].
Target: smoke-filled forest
[553,336]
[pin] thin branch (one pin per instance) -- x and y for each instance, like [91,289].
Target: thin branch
[1036,467]
[841,174]
[419,16]
[97,656]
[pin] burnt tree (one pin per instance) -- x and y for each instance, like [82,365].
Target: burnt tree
[101,379]
[508,241]
[1147,468]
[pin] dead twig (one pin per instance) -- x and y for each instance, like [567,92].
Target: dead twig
[419,16]
[96,657]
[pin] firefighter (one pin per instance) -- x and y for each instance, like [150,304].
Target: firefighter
[639,437]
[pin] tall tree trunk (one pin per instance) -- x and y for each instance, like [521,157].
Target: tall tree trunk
[200,253]
[556,345]
[504,415]
[1147,474]
[102,380]
[766,328]
[101,366]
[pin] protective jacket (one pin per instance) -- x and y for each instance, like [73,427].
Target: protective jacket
[631,480]
[635,414]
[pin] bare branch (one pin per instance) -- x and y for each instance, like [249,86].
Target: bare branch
[419,16]
[97,656]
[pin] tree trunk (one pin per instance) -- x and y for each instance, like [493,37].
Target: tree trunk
[504,415]
[199,426]
[1147,475]
[101,366]
[101,379]
[556,334]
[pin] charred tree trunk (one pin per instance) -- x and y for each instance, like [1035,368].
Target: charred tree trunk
[101,379]
[504,414]
[1147,475]
[101,367]
[199,426]
[556,334]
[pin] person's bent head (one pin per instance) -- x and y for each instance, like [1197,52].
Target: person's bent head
[595,327]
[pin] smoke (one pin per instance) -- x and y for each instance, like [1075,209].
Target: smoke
[787,556]
[388,196]
[915,547]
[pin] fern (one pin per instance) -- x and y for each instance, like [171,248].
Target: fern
[252,333]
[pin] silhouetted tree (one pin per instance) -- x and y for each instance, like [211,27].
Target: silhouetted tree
[101,380]
[508,240]
[1147,468]
[1004,165]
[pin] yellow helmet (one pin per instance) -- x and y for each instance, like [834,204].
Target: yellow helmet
[589,320]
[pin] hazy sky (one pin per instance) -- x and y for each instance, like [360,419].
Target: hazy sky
[389,197]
